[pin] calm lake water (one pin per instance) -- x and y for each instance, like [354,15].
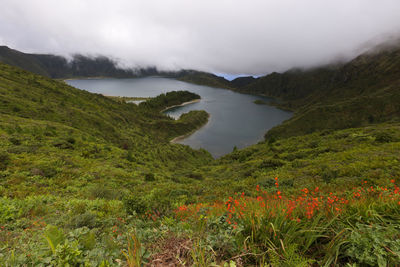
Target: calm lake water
[234,119]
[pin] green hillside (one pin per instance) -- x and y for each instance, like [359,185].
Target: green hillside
[66,132]
[59,67]
[87,180]
[203,78]
[364,91]
[15,58]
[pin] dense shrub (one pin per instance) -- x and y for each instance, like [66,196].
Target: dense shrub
[101,191]
[4,160]
[287,183]
[87,219]
[169,99]
[15,141]
[45,170]
[384,137]
[374,245]
[135,204]
[195,175]
[328,174]
[149,177]
[65,143]
[267,183]
[271,163]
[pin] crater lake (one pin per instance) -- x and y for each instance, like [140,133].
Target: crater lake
[235,120]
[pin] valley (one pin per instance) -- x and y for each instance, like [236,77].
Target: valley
[92,180]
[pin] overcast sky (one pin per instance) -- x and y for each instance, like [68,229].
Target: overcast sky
[220,36]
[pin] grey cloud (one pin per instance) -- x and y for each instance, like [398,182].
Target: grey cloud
[252,36]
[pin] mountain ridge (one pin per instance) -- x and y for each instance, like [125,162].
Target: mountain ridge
[80,66]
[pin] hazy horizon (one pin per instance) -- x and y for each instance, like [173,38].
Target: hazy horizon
[225,37]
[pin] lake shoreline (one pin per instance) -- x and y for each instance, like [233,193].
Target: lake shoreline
[181,105]
[89,78]
[181,137]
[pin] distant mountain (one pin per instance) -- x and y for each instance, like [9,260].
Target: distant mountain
[202,78]
[24,61]
[364,91]
[58,67]
[241,82]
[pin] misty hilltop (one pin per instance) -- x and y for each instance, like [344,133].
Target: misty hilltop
[78,66]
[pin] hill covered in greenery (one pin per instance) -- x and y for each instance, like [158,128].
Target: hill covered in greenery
[361,92]
[59,67]
[44,121]
[203,78]
[87,180]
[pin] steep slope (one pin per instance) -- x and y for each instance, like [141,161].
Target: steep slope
[59,67]
[361,92]
[375,68]
[293,86]
[202,78]
[24,61]
[40,116]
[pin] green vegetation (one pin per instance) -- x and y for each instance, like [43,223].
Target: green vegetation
[303,228]
[88,180]
[169,99]
[241,82]
[203,78]
[361,92]
[260,102]
[59,67]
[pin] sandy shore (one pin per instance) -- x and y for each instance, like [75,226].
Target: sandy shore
[183,104]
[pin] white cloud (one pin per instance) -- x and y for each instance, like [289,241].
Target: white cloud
[253,36]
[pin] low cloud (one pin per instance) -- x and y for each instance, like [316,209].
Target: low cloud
[252,37]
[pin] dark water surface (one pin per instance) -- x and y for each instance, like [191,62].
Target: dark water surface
[234,119]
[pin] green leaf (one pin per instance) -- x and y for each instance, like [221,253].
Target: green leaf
[54,237]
